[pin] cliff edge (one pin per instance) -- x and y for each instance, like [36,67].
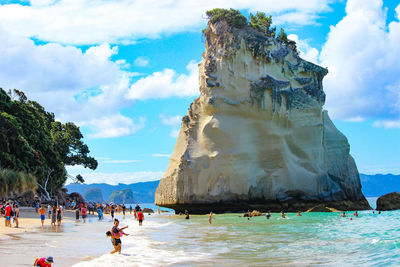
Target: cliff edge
[258,137]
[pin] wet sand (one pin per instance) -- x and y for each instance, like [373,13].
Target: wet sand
[69,243]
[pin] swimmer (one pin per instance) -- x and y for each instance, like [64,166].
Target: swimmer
[298,214]
[42,212]
[187,215]
[268,215]
[356,214]
[44,262]
[343,214]
[210,217]
[283,215]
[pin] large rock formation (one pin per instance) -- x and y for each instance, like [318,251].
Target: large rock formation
[389,201]
[257,137]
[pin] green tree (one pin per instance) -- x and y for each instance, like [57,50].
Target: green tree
[262,23]
[32,141]
[282,37]
[232,16]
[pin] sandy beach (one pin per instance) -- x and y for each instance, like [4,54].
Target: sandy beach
[68,244]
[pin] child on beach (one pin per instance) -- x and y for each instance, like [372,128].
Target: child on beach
[8,210]
[42,212]
[44,262]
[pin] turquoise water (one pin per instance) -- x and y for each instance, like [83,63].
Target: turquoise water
[313,239]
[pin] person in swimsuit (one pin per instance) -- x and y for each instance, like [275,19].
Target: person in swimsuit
[115,235]
[49,210]
[112,211]
[210,217]
[16,215]
[283,215]
[187,214]
[298,214]
[42,212]
[130,209]
[268,215]
[356,214]
[53,216]
[343,214]
[59,215]
[77,215]
[8,210]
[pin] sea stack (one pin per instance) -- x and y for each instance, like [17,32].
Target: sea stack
[258,138]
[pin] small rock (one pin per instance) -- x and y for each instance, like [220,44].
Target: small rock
[389,201]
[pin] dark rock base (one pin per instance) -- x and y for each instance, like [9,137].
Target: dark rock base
[273,206]
[389,201]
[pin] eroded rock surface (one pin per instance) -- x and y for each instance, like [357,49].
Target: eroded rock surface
[257,137]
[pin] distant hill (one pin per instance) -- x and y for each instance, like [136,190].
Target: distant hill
[372,186]
[93,194]
[379,184]
[142,192]
[122,196]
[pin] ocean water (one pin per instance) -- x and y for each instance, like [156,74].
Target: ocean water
[323,239]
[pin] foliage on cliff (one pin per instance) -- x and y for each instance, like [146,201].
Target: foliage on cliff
[259,21]
[33,142]
[122,196]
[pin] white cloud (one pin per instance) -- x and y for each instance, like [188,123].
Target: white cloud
[125,21]
[166,83]
[362,55]
[306,51]
[387,124]
[123,177]
[115,126]
[120,161]
[162,155]
[174,121]
[141,62]
[85,87]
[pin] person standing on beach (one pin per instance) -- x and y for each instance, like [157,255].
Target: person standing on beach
[53,216]
[123,209]
[140,217]
[42,212]
[49,210]
[59,215]
[210,217]
[77,215]
[130,209]
[8,210]
[84,213]
[16,215]
[112,211]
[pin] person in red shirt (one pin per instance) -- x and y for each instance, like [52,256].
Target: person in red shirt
[44,262]
[8,215]
[140,217]
[84,213]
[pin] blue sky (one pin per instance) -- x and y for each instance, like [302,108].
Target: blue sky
[126,71]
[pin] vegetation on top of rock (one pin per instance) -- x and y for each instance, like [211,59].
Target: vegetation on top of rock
[282,37]
[232,16]
[33,142]
[260,22]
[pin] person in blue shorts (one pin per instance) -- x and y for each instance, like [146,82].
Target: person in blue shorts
[42,212]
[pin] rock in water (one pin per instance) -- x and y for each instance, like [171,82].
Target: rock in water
[389,201]
[257,137]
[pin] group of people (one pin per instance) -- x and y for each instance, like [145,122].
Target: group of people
[55,213]
[10,211]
